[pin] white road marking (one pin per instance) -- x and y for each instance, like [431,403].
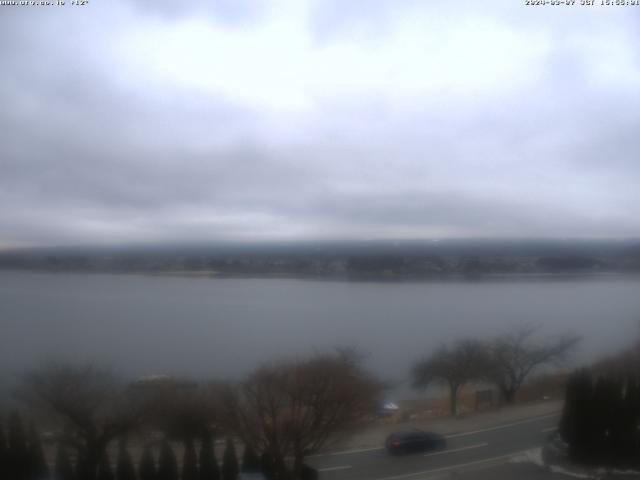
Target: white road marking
[455,435]
[478,445]
[507,425]
[330,469]
[346,452]
[453,467]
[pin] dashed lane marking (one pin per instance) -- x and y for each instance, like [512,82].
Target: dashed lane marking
[507,425]
[331,469]
[453,467]
[461,449]
[455,435]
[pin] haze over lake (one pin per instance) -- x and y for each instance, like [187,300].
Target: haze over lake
[225,327]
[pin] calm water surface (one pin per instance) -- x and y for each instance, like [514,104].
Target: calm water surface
[223,327]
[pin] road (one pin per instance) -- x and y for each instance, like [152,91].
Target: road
[465,451]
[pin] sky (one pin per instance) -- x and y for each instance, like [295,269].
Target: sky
[137,121]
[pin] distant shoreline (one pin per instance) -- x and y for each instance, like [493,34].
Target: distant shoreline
[363,262]
[386,278]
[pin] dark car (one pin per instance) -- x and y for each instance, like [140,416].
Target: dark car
[412,441]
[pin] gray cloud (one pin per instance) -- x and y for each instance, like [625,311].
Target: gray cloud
[229,11]
[100,145]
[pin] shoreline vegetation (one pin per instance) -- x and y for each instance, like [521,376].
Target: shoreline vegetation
[380,277]
[356,261]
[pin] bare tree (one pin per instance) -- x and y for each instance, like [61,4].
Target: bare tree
[88,403]
[454,366]
[514,356]
[292,409]
[181,409]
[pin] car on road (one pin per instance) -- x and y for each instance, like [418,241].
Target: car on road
[387,409]
[413,441]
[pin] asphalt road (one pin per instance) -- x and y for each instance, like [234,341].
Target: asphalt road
[465,451]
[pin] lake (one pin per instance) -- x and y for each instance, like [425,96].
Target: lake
[205,327]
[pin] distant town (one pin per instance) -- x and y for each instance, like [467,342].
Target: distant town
[347,260]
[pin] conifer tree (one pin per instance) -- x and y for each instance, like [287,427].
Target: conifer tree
[308,473]
[62,468]
[629,425]
[575,425]
[167,463]
[84,470]
[147,467]
[209,469]
[620,420]
[599,438]
[634,407]
[229,462]
[18,453]
[104,468]
[38,469]
[612,416]
[3,453]
[189,462]
[250,460]
[267,466]
[124,465]
[601,420]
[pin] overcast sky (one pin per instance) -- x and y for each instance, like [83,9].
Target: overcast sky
[150,121]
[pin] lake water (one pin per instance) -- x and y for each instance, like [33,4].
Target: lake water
[225,327]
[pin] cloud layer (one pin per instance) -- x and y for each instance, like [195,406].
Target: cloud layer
[137,121]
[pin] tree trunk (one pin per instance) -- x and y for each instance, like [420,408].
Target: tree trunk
[509,395]
[92,454]
[453,398]
[280,467]
[297,465]
[87,467]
